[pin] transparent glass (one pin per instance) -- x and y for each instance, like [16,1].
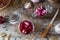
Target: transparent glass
[48,7]
[14,17]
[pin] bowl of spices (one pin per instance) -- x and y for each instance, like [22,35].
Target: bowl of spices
[4,3]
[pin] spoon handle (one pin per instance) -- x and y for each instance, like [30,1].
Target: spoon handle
[46,31]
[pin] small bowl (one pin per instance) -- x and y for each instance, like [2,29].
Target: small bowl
[28,33]
[57,28]
[40,11]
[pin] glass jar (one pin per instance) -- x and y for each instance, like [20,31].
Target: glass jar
[48,6]
[14,17]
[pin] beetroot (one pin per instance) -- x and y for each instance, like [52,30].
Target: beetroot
[26,27]
[2,20]
[40,11]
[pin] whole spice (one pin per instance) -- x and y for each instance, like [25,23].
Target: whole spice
[4,3]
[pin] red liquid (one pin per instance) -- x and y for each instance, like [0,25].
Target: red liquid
[26,27]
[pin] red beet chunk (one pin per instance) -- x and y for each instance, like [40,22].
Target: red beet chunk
[26,27]
[40,11]
[2,20]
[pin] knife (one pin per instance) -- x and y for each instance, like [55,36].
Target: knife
[45,32]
